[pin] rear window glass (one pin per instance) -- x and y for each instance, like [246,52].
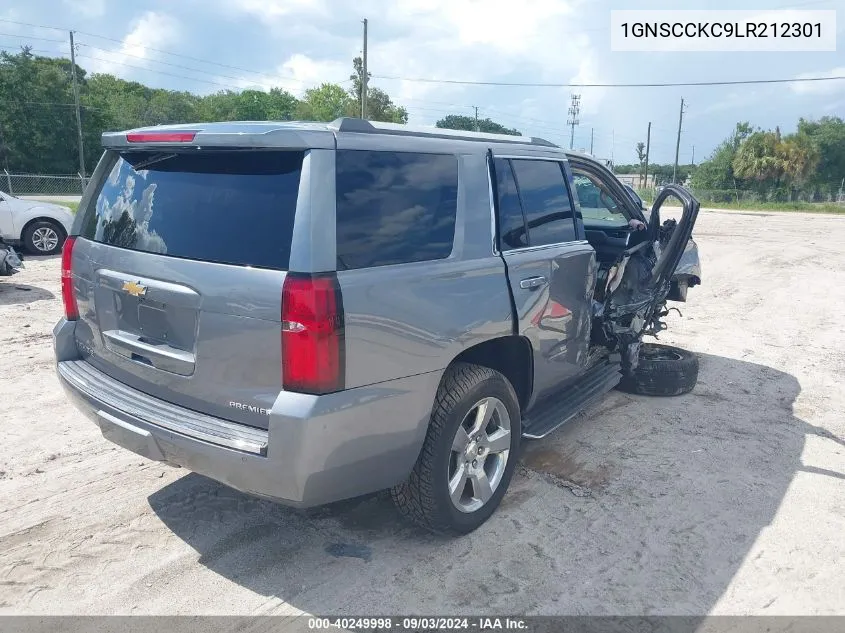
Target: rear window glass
[545,200]
[394,207]
[226,207]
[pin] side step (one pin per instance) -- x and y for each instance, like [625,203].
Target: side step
[553,412]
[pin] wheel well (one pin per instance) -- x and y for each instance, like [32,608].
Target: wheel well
[55,223]
[510,356]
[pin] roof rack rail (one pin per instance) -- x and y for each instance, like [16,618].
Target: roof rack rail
[362,126]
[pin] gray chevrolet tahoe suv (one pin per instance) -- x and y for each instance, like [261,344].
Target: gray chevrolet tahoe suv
[309,312]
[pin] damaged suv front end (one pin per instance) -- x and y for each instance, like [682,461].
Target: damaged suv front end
[660,266]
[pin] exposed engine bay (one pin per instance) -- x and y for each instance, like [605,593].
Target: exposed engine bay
[658,265]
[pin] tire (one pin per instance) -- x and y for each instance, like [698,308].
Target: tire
[43,238]
[425,497]
[662,370]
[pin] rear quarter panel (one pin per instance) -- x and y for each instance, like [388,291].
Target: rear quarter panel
[408,319]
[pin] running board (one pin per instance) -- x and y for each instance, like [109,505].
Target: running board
[555,411]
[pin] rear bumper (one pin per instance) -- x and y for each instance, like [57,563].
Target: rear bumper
[317,449]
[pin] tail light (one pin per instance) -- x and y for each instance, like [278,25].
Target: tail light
[160,137]
[68,296]
[312,334]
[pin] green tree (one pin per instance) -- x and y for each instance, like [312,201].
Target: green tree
[717,171]
[461,122]
[379,105]
[774,165]
[828,136]
[641,157]
[326,103]
[37,117]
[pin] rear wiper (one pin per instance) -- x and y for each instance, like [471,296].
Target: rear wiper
[152,160]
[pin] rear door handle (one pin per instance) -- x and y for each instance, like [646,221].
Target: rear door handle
[532,282]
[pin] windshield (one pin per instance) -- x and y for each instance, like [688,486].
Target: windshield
[598,208]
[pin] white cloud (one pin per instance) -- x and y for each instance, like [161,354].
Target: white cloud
[87,8]
[473,40]
[501,24]
[152,30]
[271,10]
[733,101]
[10,14]
[820,87]
[298,73]
[302,68]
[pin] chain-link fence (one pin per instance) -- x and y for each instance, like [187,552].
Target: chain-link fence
[738,196]
[833,194]
[42,185]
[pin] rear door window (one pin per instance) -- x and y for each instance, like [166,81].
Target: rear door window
[394,207]
[218,206]
[511,221]
[545,201]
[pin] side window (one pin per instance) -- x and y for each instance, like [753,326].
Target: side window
[598,207]
[394,207]
[545,200]
[511,221]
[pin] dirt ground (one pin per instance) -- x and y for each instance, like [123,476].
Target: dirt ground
[729,500]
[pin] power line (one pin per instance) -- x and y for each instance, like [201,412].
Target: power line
[32,50]
[517,84]
[162,72]
[190,68]
[32,37]
[156,50]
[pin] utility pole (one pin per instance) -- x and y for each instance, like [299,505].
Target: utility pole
[678,143]
[476,118]
[693,155]
[574,110]
[592,135]
[647,150]
[612,147]
[365,77]
[76,103]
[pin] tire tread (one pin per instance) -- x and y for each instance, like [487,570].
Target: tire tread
[663,378]
[416,498]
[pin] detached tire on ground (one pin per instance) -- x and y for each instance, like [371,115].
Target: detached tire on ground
[469,453]
[662,370]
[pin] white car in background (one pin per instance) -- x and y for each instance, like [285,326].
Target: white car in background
[41,227]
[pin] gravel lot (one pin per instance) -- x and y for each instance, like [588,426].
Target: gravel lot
[729,500]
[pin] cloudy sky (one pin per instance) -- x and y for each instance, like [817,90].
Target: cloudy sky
[296,44]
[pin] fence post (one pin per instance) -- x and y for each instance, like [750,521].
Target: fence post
[9,182]
[81,183]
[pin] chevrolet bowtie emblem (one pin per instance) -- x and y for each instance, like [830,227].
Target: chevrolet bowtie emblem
[134,288]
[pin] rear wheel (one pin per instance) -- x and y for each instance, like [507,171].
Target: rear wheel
[469,453]
[662,370]
[43,238]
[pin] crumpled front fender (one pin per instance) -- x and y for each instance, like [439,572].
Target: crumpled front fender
[689,266]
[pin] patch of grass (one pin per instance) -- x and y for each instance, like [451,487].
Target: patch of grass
[73,206]
[800,207]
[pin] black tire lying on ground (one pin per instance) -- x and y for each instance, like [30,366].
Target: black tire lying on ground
[663,370]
